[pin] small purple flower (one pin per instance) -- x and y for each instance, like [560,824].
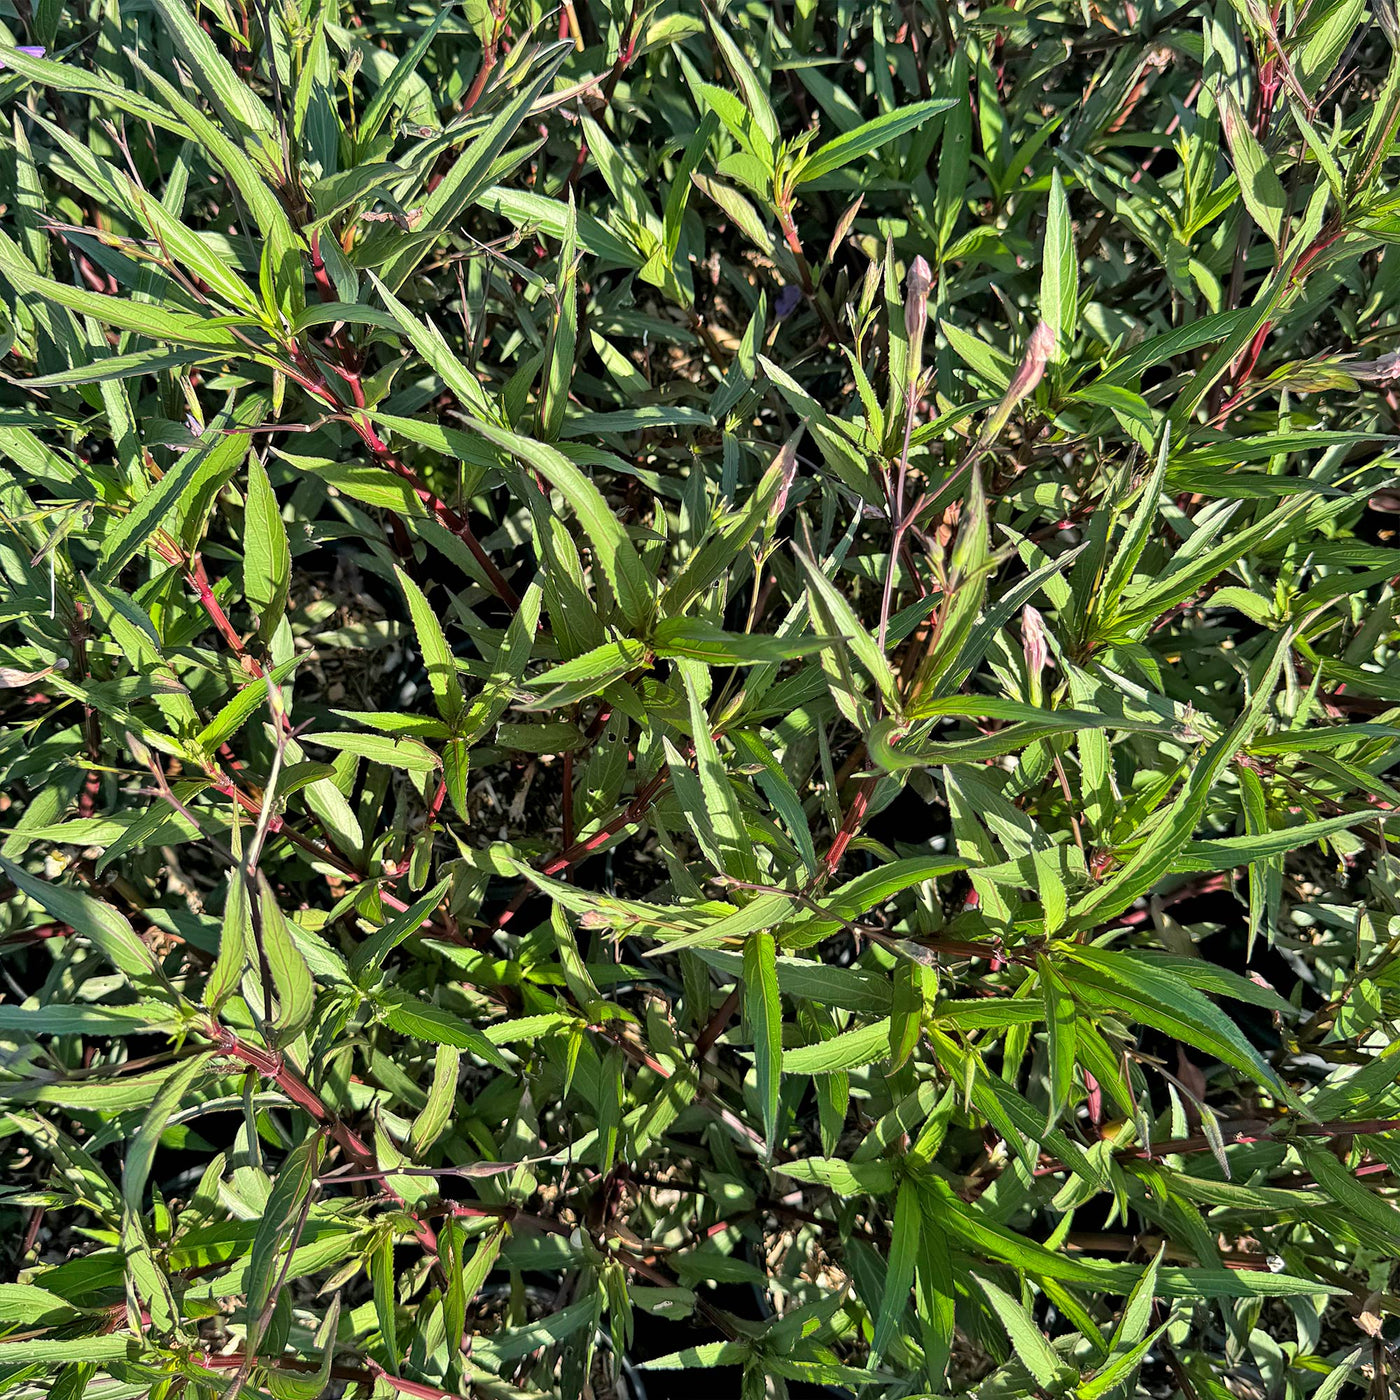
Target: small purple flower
[788,297]
[33,50]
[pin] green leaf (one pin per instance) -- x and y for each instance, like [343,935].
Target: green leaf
[849,988]
[66,77]
[1120,1368]
[563,337]
[847,1178]
[281,251]
[307,1386]
[839,619]
[1260,187]
[851,145]
[158,323]
[1229,852]
[267,558]
[681,185]
[1137,1311]
[508,667]
[1060,1017]
[585,675]
[849,1050]
[616,553]
[249,699]
[437,655]
[741,123]
[41,1351]
[383,1280]
[370,955]
[141,1150]
[724,542]
[108,931]
[237,948]
[294,1182]
[1153,857]
[899,1273]
[26,1303]
[150,1283]
[907,1011]
[442,1095]
[1108,597]
[291,977]
[57,1018]
[215,76]
[219,455]
[386,99]
[1351,1195]
[763,1007]
[1159,999]
[698,640]
[470,175]
[1043,1362]
[734,848]
[1059,276]
[412,755]
[426,1021]
[751,86]
[1338,1375]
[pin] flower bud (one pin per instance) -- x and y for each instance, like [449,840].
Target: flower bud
[917,285]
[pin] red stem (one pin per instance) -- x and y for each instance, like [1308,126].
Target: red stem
[483,75]
[194,569]
[271,1065]
[1250,359]
[855,814]
[581,850]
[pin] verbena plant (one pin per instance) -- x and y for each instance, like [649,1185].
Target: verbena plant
[694,688]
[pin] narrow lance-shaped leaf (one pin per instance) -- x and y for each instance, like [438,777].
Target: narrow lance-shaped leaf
[108,930]
[437,655]
[1260,187]
[383,1280]
[291,977]
[267,560]
[384,100]
[907,1013]
[1059,277]
[563,339]
[763,1007]
[1153,857]
[830,604]
[442,1095]
[1027,1340]
[899,1272]
[735,848]
[309,1385]
[237,949]
[218,455]
[851,145]
[216,75]
[1060,1017]
[149,1279]
[466,180]
[936,1301]
[295,1180]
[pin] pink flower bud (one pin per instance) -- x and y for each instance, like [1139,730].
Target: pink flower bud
[1032,367]
[917,284]
[1033,639]
[33,50]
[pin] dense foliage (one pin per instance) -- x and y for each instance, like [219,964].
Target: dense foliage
[699,701]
